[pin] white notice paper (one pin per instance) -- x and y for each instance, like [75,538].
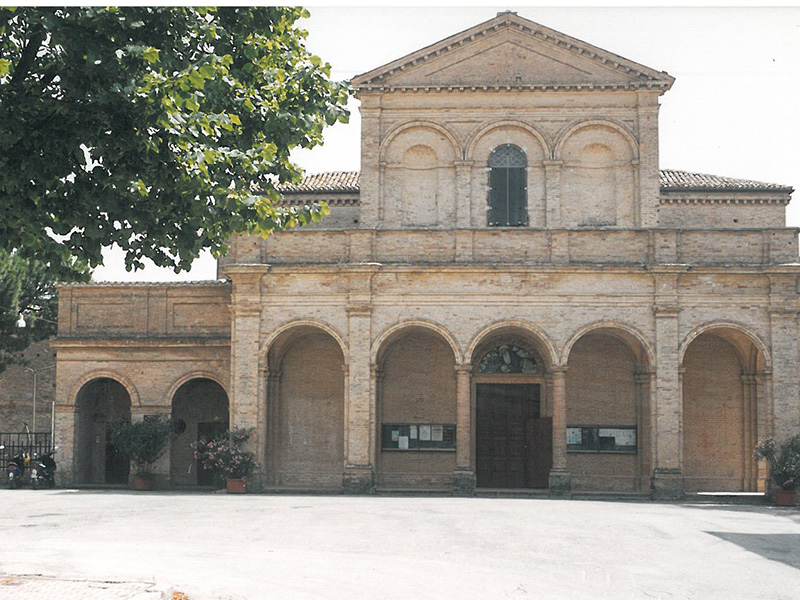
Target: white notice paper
[403,442]
[412,432]
[425,433]
[437,433]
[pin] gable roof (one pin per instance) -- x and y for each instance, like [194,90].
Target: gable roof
[428,68]
[671,181]
[674,181]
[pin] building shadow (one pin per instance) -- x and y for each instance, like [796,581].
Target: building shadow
[780,547]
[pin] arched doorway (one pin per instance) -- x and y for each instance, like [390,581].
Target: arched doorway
[305,411]
[199,409]
[513,420]
[416,392]
[721,390]
[608,412]
[99,403]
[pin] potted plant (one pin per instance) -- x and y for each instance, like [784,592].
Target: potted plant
[784,468]
[144,442]
[226,456]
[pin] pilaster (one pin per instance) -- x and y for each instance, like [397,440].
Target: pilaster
[370,160]
[783,311]
[552,178]
[463,193]
[649,176]
[560,478]
[245,335]
[464,476]
[667,399]
[359,476]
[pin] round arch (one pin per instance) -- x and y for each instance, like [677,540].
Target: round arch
[488,128]
[456,147]
[721,327]
[392,332]
[584,123]
[187,377]
[105,374]
[629,334]
[287,328]
[541,340]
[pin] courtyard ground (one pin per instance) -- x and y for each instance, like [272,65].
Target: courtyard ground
[64,544]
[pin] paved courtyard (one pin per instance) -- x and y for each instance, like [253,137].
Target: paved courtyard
[108,544]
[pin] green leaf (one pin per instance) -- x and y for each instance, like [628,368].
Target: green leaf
[150,54]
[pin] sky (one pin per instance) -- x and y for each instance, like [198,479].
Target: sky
[733,110]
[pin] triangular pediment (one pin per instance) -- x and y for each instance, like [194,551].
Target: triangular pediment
[511,52]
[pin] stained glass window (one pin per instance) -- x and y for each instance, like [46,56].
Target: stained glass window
[508,190]
[508,359]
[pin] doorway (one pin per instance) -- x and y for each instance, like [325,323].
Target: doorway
[513,443]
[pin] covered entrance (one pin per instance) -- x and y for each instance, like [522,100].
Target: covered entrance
[513,442]
[513,438]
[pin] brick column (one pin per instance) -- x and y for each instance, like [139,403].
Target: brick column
[667,434]
[244,397]
[648,194]
[763,423]
[370,159]
[552,178]
[358,475]
[463,194]
[464,476]
[263,434]
[644,381]
[560,479]
[786,404]
[66,428]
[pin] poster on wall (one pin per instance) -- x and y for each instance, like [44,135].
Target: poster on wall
[425,433]
[601,439]
[418,436]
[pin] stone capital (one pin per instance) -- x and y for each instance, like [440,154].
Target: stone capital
[552,164]
[666,310]
[359,310]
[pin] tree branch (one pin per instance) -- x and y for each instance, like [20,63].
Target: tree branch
[35,41]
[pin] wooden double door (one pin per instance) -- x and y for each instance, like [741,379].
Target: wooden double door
[513,445]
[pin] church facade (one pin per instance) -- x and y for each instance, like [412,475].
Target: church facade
[510,295]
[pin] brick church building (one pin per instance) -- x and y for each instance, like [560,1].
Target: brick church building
[510,295]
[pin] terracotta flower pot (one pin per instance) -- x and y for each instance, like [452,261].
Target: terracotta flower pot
[786,497]
[143,483]
[235,486]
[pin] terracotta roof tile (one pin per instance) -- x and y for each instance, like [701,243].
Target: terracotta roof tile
[683,180]
[338,181]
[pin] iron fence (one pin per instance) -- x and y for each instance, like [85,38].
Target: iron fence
[33,443]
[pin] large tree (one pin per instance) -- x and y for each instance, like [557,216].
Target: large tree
[150,128]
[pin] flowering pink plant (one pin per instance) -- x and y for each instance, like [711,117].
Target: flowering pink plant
[225,455]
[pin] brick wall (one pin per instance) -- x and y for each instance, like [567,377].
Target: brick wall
[16,390]
[418,386]
[601,390]
[311,414]
[713,452]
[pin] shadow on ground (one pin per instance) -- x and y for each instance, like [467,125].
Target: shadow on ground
[780,547]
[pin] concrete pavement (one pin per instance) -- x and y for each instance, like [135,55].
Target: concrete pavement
[253,547]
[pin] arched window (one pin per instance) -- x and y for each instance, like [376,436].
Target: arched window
[507,358]
[508,189]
